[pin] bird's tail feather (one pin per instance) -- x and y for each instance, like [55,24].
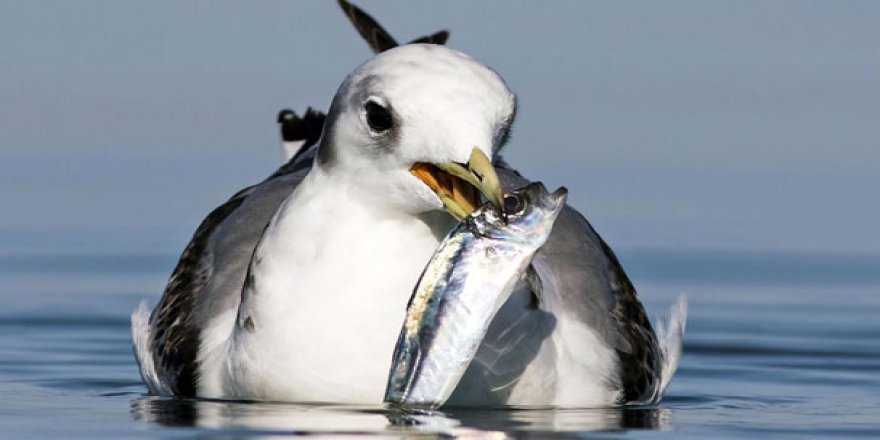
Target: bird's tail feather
[670,335]
[141,341]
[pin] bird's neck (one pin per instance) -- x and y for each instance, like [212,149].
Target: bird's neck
[331,270]
[336,209]
[329,226]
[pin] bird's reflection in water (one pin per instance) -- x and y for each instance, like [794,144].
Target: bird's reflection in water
[259,417]
[252,418]
[531,420]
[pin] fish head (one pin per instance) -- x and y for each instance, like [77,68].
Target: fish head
[527,215]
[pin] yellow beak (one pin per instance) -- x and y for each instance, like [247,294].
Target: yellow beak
[459,185]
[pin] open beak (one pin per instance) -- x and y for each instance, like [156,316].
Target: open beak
[459,185]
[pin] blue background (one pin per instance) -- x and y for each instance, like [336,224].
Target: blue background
[742,126]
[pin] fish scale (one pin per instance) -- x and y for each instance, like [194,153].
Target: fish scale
[472,273]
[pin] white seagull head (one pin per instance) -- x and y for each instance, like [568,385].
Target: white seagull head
[417,126]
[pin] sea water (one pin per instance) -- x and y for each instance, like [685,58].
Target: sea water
[777,345]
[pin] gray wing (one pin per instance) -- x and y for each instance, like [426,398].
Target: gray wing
[208,278]
[582,273]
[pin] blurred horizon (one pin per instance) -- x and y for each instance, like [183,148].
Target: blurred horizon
[744,127]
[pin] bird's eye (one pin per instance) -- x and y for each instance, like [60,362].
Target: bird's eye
[378,117]
[513,204]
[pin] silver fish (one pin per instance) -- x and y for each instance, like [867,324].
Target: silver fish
[472,273]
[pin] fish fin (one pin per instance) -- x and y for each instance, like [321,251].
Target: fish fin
[670,335]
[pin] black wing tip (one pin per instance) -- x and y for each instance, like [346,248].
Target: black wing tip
[286,115]
[376,36]
[439,38]
[292,126]
[296,128]
[307,127]
[314,115]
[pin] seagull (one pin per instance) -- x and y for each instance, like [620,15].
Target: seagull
[295,288]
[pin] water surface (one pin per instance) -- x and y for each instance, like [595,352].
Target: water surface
[776,345]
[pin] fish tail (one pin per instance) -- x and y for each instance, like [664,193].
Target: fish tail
[670,335]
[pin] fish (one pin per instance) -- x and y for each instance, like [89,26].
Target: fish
[470,276]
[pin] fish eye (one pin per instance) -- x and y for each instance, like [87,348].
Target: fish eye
[378,118]
[513,204]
